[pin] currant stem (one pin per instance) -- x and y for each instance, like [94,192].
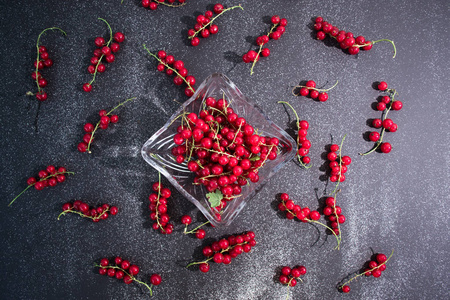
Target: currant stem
[157,203]
[326,90]
[39,54]
[98,123]
[169,67]
[110,31]
[195,229]
[390,41]
[131,276]
[260,48]
[42,179]
[364,273]
[313,89]
[212,20]
[338,240]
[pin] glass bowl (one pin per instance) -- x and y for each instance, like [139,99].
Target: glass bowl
[157,150]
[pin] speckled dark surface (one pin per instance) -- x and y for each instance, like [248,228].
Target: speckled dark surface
[396,201]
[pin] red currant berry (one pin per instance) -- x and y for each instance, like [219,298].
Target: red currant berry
[87,87]
[374,136]
[382,86]
[346,289]
[155,279]
[385,147]
[119,37]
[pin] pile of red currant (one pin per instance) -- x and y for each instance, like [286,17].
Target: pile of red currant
[338,164]
[387,102]
[346,40]
[289,276]
[375,268]
[158,208]
[204,26]
[222,149]
[153,5]
[303,144]
[106,117]
[276,31]
[124,270]
[224,250]
[43,60]
[171,66]
[105,49]
[48,177]
[309,89]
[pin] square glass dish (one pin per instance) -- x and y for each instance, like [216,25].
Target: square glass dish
[157,151]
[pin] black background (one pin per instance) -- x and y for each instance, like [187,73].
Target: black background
[391,201]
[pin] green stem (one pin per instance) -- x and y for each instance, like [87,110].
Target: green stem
[49,176]
[131,276]
[390,41]
[38,54]
[169,67]
[260,48]
[110,32]
[98,123]
[212,20]
[195,229]
[338,240]
[364,273]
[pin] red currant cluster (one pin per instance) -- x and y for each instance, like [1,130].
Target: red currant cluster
[309,89]
[224,250]
[105,119]
[205,26]
[123,270]
[289,276]
[43,60]
[104,50]
[48,177]
[199,232]
[334,214]
[303,214]
[222,150]
[294,210]
[338,164]
[346,40]
[276,31]
[171,66]
[83,209]
[375,267]
[158,208]
[153,5]
[303,144]
[387,103]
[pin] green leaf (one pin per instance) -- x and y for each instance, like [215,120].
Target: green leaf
[215,198]
[255,158]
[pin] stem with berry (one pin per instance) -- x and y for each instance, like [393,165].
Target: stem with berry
[38,50]
[274,26]
[93,218]
[303,145]
[387,103]
[163,62]
[98,123]
[377,267]
[213,19]
[131,277]
[59,176]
